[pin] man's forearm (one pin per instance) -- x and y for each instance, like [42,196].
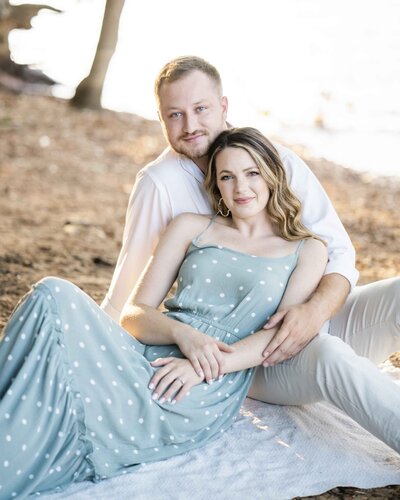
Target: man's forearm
[330,295]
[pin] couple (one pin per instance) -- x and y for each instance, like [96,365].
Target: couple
[83,398]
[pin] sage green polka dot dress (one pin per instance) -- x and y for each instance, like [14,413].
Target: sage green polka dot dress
[74,398]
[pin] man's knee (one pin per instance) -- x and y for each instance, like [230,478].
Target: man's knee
[386,296]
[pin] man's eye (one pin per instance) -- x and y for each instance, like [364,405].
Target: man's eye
[176,114]
[201,108]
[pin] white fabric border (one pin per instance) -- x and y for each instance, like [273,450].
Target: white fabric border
[271,452]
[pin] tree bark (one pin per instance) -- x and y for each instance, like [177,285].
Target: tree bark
[88,92]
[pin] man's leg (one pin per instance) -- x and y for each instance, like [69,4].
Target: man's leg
[369,321]
[328,369]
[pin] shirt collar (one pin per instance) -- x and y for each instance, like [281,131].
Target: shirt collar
[191,168]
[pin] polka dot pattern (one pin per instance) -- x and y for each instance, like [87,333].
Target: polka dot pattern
[90,392]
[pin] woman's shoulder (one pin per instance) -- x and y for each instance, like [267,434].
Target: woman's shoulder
[313,248]
[189,224]
[191,219]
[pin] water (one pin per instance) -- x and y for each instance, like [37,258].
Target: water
[323,73]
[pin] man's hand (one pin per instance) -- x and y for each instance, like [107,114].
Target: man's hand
[173,379]
[299,325]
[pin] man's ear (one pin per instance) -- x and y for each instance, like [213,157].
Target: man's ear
[224,104]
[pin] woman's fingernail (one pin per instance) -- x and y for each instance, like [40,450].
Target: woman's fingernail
[211,381]
[266,354]
[173,401]
[220,377]
[154,396]
[162,400]
[200,374]
[151,386]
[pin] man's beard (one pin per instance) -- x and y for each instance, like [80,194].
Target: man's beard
[194,153]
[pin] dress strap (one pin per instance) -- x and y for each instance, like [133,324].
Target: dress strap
[298,248]
[195,240]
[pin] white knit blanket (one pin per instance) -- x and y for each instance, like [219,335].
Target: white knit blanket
[271,452]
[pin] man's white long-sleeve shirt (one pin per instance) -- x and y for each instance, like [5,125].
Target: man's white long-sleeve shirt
[173,184]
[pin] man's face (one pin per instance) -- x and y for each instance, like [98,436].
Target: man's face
[192,113]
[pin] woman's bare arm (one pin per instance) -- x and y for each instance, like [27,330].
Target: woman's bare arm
[140,316]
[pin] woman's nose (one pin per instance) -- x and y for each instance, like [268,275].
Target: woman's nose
[241,184]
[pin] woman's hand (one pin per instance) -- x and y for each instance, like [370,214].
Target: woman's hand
[204,352]
[173,379]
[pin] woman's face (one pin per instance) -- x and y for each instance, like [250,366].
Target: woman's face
[241,185]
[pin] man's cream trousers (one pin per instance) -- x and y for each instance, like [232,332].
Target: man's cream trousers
[339,366]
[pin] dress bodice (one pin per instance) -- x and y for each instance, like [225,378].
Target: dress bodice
[233,291]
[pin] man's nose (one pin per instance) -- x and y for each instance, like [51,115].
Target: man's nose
[190,123]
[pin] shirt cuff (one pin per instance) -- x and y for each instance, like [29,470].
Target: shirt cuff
[349,272]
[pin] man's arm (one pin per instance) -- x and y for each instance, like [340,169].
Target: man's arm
[319,215]
[147,216]
[301,323]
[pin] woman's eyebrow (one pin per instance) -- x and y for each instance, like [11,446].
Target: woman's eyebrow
[245,170]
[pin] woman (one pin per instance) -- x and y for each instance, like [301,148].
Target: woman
[84,399]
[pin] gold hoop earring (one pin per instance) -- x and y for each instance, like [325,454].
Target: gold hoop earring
[220,209]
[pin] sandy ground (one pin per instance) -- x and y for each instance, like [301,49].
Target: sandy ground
[65,179]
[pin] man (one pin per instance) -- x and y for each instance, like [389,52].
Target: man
[193,111]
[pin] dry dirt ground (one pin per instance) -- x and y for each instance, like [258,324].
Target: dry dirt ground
[65,179]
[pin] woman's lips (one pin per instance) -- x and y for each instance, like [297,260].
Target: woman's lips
[243,201]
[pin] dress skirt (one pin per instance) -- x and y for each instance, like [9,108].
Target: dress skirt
[74,398]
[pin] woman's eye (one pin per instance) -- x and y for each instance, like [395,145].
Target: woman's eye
[226,177]
[254,172]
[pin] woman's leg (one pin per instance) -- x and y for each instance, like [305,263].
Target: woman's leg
[43,442]
[328,369]
[369,321]
[73,384]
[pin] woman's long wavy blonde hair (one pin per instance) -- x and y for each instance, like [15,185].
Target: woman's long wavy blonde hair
[283,206]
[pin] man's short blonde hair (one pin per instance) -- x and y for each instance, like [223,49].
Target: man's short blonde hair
[180,66]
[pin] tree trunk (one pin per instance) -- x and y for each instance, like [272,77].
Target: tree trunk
[88,92]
